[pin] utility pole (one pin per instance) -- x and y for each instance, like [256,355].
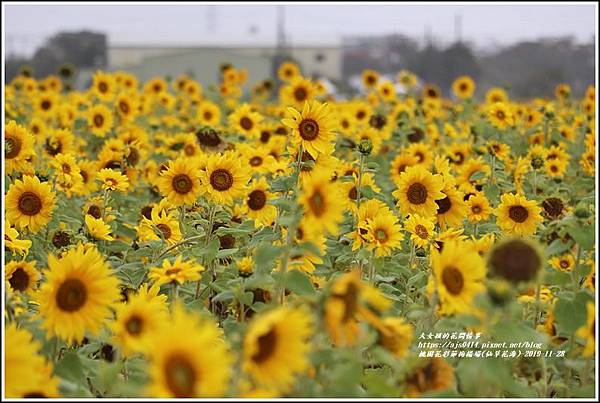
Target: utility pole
[458,28]
[280,54]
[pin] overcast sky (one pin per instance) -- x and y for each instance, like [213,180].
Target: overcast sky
[26,26]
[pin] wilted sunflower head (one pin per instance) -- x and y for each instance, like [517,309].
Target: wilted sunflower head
[517,260]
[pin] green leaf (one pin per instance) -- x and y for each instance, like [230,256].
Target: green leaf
[571,314]
[298,283]
[265,256]
[584,235]
[70,368]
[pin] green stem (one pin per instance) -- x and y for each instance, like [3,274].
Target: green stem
[359,184]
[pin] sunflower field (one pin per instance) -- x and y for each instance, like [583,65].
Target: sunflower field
[165,239]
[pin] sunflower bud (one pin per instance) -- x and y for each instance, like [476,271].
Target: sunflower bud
[365,147]
[537,162]
[582,212]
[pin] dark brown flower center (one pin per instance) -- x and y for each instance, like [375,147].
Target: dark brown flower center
[71,295]
[95,211]
[300,94]
[553,207]
[103,87]
[309,129]
[246,123]
[180,376]
[166,231]
[267,344]
[19,280]
[500,115]
[317,204]
[353,193]
[221,179]
[256,161]
[444,205]
[46,105]
[257,200]
[12,147]
[377,121]
[134,325]
[350,298]
[182,183]
[265,135]
[124,107]
[98,120]
[453,280]
[53,147]
[515,260]
[208,138]
[61,239]
[360,115]
[226,242]
[30,203]
[416,135]
[518,214]
[421,231]
[476,209]
[417,193]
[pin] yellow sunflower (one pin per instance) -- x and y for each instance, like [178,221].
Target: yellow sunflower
[103,86]
[478,208]
[370,78]
[30,203]
[458,273]
[463,87]
[177,272]
[500,115]
[452,208]
[98,229]
[161,224]
[100,120]
[421,229]
[135,322]
[127,106]
[12,241]
[180,182]
[496,94]
[588,331]
[517,215]
[321,200]
[297,92]
[27,374]
[256,204]
[21,276]
[77,294]
[288,71]
[113,180]
[313,128]
[196,365]
[224,179]
[384,234]
[418,190]
[209,113]
[18,147]
[276,346]
[396,336]
[432,375]
[565,262]
[246,121]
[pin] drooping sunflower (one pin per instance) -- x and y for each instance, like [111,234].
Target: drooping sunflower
[517,215]
[276,346]
[313,128]
[458,272]
[177,272]
[18,146]
[27,374]
[77,295]
[136,320]
[433,375]
[30,203]
[496,94]
[224,179]
[418,190]
[396,336]
[98,229]
[246,121]
[517,260]
[197,365]
[21,276]
[321,200]
[421,230]
[256,204]
[12,241]
[180,182]
[351,301]
[463,87]
[100,120]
